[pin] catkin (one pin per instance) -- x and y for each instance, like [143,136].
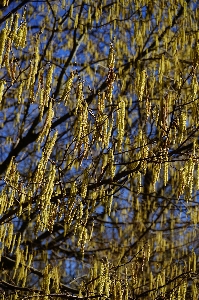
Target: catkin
[3,36]
[67,88]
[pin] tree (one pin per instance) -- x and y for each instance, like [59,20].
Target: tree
[99,149]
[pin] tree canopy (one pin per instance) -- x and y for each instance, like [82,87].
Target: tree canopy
[99,149]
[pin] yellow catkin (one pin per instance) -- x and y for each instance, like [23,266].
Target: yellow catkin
[2,84]
[7,55]
[41,103]
[11,169]
[3,201]
[119,291]
[67,88]
[81,127]
[18,259]
[3,36]
[189,179]
[76,21]
[5,2]
[120,123]
[80,96]
[109,204]
[46,281]
[13,243]
[24,277]
[20,38]
[3,233]
[182,126]
[142,83]
[194,87]
[101,279]
[89,19]
[126,296]
[84,184]
[56,279]
[112,168]
[82,238]
[20,91]
[166,170]
[139,182]
[33,70]
[111,57]
[14,26]
[45,157]
[9,237]
[48,84]
[107,280]
[48,122]
[80,211]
